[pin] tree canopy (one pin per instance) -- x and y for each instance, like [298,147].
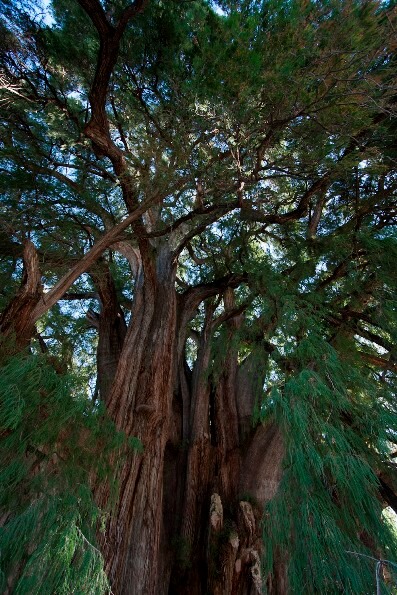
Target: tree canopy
[198,199]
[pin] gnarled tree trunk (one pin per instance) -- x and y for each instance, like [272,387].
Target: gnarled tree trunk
[164,535]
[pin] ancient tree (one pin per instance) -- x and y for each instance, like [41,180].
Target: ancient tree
[197,296]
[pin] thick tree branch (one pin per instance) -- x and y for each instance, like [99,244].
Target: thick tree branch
[98,127]
[193,296]
[365,334]
[98,17]
[218,209]
[60,288]
[131,254]
[316,216]
[230,314]
[17,317]
[378,361]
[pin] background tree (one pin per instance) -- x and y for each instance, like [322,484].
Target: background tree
[215,186]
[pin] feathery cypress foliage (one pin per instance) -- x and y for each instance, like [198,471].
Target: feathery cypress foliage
[54,444]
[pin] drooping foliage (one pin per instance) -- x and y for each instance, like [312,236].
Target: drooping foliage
[55,443]
[339,418]
[320,380]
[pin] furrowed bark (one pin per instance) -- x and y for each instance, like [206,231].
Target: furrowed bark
[198,469]
[141,399]
[18,319]
[225,413]
[220,539]
[140,404]
[111,330]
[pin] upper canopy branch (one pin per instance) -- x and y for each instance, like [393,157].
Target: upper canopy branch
[300,211]
[215,211]
[98,127]
[94,10]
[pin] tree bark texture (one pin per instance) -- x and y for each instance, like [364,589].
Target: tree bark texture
[111,326]
[187,518]
[17,320]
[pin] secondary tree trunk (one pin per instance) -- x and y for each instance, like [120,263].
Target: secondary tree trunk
[17,320]
[140,404]
[111,327]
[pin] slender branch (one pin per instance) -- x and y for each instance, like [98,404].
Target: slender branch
[88,295]
[372,558]
[377,572]
[209,209]
[228,314]
[196,260]
[88,542]
[319,185]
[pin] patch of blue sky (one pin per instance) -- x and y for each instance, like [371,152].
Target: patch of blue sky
[215,6]
[368,343]
[47,14]
[39,10]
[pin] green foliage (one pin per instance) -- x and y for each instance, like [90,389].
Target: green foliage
[54,445]
[337,422]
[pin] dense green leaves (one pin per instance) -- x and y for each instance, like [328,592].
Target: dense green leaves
[337,421]
[54,444]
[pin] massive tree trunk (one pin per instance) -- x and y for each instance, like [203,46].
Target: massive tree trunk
[187,519]
[188,424]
